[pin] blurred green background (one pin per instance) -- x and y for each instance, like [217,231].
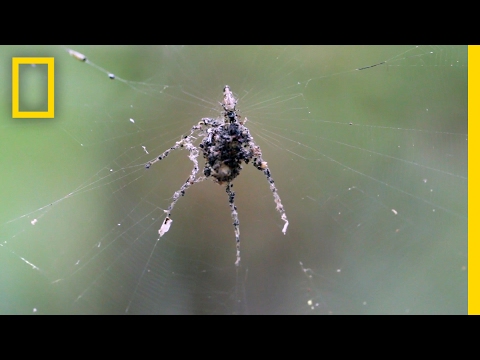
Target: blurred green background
[371,166]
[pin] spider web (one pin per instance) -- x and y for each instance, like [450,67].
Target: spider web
[367,146]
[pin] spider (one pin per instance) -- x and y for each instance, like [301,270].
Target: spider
[226,143]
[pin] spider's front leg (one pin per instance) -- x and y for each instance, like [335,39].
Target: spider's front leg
[185,140]
[236,223]
[192,179]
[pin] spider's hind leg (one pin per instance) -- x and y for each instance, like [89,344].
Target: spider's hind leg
[236,223]
[262,166]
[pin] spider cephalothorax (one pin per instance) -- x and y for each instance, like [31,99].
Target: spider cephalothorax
[226,144]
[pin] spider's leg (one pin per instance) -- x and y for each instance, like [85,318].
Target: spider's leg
[236,223]
[192,179]
[262,166]
[186,140]
[178,144]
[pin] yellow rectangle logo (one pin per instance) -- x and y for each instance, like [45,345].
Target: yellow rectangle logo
[473,177]
[16,62]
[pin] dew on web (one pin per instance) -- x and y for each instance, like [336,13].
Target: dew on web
[357,139]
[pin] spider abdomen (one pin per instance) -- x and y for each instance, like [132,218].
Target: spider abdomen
[224,151]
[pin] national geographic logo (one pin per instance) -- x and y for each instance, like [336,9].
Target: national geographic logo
[16,62]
